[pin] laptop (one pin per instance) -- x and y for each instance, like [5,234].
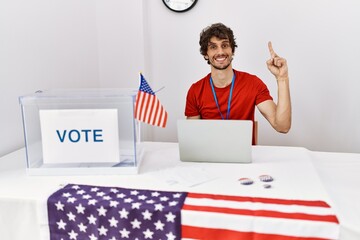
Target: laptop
[221,141]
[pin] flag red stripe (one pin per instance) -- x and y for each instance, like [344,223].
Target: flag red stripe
[154,112]
[163,116]
[261,200]
[142,106]
[220,234]
[138,105]
[152,101]
[165,119]
[263,213]
[159,116]
[146,107]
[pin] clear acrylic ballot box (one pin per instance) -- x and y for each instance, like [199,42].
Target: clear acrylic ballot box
[81,132]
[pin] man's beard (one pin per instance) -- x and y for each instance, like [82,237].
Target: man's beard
[222,67]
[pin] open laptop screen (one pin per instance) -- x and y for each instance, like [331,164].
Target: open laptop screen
[215,140]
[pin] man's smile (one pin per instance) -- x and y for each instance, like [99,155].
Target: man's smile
[220,58]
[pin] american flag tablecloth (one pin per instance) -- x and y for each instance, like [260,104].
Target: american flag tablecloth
[82,212]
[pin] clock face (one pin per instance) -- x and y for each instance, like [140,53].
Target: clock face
[179,5]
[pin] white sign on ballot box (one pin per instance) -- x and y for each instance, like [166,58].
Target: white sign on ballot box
[80,136]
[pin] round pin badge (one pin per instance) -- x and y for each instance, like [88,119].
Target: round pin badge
[246,181]
[266,178]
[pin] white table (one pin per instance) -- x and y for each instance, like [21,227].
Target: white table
[339,173]
[334,178]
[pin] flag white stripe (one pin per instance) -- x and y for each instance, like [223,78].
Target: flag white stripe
[144,109]
[138,107]
[259,206]
[158,115]
[264,225]
[162,117]
[151,121]
[149,109]
[141,108]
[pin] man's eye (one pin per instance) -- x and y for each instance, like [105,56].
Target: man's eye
[212,47]
[225,45]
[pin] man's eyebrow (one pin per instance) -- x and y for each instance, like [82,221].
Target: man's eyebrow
[224,41]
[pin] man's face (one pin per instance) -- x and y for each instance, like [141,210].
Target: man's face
[219,53]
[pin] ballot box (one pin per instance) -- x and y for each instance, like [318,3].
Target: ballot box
[81,132]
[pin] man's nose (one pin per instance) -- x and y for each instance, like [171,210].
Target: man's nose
[219,50]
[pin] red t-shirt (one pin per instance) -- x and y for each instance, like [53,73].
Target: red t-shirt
[248,91]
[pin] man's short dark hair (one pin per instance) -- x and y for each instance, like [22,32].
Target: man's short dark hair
[218,30]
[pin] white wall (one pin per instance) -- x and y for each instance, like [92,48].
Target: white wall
[43,45]
[47,44]
[318,38]
[91,43]
[120,37]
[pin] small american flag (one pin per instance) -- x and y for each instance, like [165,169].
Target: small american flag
[78,212]
[148,108]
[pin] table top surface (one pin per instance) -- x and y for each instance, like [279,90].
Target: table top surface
[292,170]
[298,174]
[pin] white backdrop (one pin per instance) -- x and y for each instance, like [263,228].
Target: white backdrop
[92,43]
[318,38]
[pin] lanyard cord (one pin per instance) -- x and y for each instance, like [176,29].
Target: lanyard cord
[229,100]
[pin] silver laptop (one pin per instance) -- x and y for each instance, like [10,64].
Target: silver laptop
[215,140]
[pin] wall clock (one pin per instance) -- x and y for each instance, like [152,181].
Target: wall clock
[179,5]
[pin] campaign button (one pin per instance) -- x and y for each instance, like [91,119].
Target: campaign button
[266,178]
[246,181]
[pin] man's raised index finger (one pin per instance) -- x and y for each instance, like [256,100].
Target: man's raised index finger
[271,50]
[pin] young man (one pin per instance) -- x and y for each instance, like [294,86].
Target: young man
[226,93]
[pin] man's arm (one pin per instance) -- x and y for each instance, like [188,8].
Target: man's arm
[279,114]
[194,117]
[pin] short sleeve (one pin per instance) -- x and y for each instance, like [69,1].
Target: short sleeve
[191,108]
[263,93]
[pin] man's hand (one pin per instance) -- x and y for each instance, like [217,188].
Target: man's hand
[277,65]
